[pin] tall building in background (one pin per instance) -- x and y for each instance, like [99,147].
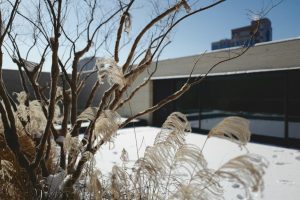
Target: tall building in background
[241,36]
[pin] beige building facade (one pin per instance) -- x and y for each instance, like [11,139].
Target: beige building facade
[263,57]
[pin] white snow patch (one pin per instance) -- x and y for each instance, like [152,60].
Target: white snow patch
[281,181]
[54,181]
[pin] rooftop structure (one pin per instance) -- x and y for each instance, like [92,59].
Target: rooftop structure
[241,36]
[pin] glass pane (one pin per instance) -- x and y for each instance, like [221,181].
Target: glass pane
[257,97]
[294,129]
[260,124]
[189,104]
[294,104]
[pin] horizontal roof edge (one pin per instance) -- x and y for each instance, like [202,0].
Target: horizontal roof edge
[233,48]
[225,73]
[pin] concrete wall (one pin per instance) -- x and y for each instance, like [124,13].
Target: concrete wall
[12,81]
[87,88]
[141,101]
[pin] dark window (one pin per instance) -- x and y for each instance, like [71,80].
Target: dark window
[269,100]
[294,104]
[257,97]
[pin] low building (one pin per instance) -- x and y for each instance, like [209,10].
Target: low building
[263,85]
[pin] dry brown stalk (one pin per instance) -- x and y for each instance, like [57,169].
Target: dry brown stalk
[31,128]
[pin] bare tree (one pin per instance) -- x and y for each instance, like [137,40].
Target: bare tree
[59,33]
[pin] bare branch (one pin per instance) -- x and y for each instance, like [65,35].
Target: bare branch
[10,21]
[143,83]
[54,79]
[145,29]
[120,30]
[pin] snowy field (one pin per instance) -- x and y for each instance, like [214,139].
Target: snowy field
[282,180]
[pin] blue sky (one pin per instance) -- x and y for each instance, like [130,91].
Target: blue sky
[195,35]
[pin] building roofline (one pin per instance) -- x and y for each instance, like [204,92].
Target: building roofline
[6,69]
[257,44]
[225,73]
[234,48]
[278,41]
[241,28]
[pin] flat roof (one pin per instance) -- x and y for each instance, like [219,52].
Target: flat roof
[263,57]
[222,74]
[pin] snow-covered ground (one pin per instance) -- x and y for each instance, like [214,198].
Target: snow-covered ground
[282,180]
